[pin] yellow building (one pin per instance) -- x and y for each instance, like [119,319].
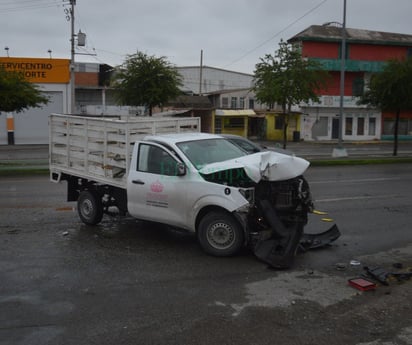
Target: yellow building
[230,121]
[264,125]
[274,123]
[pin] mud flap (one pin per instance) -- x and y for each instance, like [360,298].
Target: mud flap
[323,239]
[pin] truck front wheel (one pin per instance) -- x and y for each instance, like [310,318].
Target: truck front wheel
[89,207]
[219,234]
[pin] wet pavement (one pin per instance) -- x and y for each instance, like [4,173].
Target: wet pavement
[131,282]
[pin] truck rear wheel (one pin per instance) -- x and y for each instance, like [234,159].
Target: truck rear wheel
[219,234]
[89,207]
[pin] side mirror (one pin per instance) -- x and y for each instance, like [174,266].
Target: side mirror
[180,169]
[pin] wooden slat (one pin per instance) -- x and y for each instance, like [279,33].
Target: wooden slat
[100,148]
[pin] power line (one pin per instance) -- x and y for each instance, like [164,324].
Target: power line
[27,5]
[278,33]
[24,2]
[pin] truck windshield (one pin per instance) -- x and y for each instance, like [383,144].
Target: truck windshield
[203,152]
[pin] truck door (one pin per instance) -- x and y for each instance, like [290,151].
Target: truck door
[154,191]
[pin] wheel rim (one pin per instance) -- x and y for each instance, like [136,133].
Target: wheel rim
[87,208]
[220,236]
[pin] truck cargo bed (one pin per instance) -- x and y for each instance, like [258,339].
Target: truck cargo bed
[99,149]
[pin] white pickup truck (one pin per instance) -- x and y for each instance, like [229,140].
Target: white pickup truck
[194,181]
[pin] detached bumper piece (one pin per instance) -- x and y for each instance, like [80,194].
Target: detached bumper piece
[320,240]
[279,248]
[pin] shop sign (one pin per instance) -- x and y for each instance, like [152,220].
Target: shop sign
[39,70]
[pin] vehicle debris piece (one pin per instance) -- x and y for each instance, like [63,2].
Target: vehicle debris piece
[377,273]
[279,249]
[323,239]
[362,284]
[279,252]
[382,276]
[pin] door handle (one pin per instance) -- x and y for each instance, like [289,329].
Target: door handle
[137,182]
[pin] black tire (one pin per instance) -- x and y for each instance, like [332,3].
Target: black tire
[219,234]
[89,207]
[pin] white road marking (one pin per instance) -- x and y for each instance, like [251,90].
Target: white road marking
[361,197]
[377,179]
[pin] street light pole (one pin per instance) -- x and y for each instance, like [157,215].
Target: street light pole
[340,151]
[72,63]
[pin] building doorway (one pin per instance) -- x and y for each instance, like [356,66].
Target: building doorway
[335,128]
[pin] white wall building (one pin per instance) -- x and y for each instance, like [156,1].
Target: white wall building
[52,76]
[213,79]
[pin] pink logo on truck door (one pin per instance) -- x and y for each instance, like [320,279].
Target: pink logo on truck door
[156,187]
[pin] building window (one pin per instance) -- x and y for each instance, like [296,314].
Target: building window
[358,87]
[81,67]
[348,126]
[233,103]
[225,102]
[372,126]
[404,128]
[279,122]
[361,126]
[388,126]
[251,103]
[218,125]
[320,128]
[242,102]
[235,122]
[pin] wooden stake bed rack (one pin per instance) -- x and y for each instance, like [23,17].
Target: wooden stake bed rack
[100,148]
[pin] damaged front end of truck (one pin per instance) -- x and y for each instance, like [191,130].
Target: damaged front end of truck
[280,201]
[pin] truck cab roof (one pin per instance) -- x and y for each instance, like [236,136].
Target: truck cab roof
[174,138]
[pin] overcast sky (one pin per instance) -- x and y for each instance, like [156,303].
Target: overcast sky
[233,34]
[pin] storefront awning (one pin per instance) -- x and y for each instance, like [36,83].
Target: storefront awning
[232,112]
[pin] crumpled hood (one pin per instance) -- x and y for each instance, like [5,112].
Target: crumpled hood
[268,165]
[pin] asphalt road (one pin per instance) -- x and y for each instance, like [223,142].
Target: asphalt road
[132,282]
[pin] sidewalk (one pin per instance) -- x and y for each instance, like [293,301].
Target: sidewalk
[20,158]
[36,157]
[321,150]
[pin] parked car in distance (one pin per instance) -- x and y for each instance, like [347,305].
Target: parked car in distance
[250,146]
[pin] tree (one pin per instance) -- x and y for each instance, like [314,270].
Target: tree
[146,80]
[17,94]
[391,90]
[288,79]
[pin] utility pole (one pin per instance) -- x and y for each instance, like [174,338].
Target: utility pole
[340,151]
[72,63]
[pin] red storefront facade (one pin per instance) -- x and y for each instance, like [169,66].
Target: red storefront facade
[366,54]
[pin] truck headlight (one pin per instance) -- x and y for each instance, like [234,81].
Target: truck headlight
[248,194]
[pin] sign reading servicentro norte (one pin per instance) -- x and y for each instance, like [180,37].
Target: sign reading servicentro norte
[37,70]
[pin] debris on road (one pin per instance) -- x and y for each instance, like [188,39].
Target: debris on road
[362,284]
[383,276]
